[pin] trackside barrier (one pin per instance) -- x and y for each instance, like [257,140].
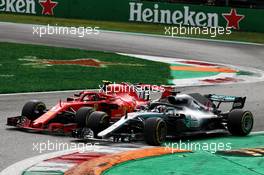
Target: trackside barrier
[141,11]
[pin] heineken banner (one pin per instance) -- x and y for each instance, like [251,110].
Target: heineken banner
[140,11]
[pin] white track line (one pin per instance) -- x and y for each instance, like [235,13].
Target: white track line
[157,35]
[19,167]
[185,38]
[257,132]
[197,81]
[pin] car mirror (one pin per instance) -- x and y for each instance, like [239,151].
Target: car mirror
[70,99]
[77,95]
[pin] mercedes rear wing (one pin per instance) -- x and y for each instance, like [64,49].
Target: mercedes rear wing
[238,102]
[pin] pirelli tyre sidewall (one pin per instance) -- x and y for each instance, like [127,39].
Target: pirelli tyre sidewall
[240,122]
[98,121]
[33,109]
[82,115]
[155,131]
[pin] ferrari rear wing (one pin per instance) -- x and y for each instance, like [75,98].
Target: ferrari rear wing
[238,102]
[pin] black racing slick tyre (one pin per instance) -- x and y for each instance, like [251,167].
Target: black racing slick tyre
[98,121]
[155,131]
[239,122]
[33,109]
[82,116]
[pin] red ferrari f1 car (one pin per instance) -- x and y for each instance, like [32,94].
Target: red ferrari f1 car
[109,104]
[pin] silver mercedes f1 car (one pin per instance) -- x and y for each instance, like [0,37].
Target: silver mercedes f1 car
[179,115]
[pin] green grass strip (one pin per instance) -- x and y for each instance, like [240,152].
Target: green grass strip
[191,74]
[18,74]
[199,162]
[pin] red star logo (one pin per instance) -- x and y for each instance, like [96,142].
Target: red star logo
[47,7]
[233,19]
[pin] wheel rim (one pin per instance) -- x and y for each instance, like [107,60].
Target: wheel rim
[162,131]
[247,123]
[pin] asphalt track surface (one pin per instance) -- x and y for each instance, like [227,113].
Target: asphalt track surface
[16,145]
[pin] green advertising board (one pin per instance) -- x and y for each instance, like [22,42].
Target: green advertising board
[141,11]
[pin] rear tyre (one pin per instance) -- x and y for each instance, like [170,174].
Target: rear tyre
[239,122]
[98,121]
[33,109]
[82,115]
[155,131]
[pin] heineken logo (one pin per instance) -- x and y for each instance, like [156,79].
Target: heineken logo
[184,16]
[47,7]
[18,6]
[28,6]
[233,19]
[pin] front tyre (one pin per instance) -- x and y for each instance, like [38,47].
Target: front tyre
[82,116]
[239,122]
[155,131]
[33,109]
[98,121]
